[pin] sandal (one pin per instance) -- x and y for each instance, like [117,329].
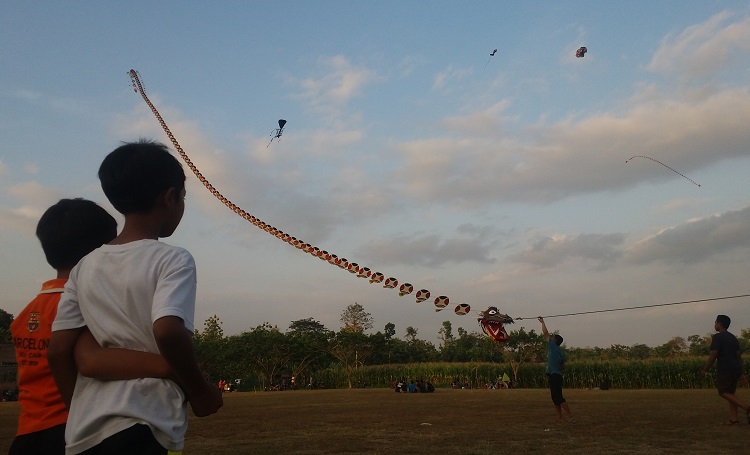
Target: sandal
[731,422]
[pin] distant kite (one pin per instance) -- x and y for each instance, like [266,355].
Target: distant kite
[657,161]
[277,132]
[581,52]
[491,55]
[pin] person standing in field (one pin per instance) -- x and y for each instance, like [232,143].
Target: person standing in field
[67,231]
[139,293]
[725,351]
[554,371]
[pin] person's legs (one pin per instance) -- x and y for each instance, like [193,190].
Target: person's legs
[555,388]
[566,408]
[727,386]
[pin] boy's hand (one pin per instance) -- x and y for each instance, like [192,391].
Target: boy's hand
[207,402]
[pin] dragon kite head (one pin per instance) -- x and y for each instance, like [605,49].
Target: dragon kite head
[492,323]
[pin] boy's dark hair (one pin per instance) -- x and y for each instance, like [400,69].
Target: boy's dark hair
[724,320]
[71,229]
[558,339]
[134,175]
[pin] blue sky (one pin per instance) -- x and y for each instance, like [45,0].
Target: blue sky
[495,181]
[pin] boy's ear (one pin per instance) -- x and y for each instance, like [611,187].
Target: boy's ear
[170,195]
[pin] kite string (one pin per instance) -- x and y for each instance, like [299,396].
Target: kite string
[657,161]
[362,272]
[638,307]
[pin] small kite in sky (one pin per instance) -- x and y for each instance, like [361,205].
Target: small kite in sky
[491,55]
[277,132]
[581,52]
[657,161]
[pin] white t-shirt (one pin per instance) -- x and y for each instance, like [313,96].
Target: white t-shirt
[118,291]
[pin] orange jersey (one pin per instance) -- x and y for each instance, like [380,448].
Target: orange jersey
[42,406]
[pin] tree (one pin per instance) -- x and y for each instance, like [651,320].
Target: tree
[446,333]
[268,349]
[211,329]
[389,330]
[411,334]
[308,340]
[306,326]
[675,347]
[356,319]
[640,351]
[5,320]
[522,347]
[699,345]
[351,348]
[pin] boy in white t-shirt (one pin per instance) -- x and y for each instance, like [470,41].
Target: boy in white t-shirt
[135,293]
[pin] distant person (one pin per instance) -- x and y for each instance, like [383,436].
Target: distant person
[554,371]
[505,381]
[725,351]
[606,383]
[412,386]
[155,285]
[67,231]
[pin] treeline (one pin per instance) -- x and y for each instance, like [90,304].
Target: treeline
[266,357]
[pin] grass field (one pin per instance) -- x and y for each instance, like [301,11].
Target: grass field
[482,422]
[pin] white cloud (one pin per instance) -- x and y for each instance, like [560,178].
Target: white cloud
[449,75]
[696,240]
[705,49]
[339,82]
[550,251]
[581,156]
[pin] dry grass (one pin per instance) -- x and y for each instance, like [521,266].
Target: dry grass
[481,422]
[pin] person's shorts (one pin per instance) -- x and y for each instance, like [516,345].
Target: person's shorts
[48,442]
[555,388]
[726,383]
[136,440]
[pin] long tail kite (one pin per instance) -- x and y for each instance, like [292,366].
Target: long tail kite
[363,272]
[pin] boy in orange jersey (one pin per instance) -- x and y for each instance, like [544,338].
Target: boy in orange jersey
[67,231]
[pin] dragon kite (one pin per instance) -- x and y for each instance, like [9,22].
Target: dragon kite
[492,322]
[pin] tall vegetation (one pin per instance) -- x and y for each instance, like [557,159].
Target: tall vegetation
[266,357]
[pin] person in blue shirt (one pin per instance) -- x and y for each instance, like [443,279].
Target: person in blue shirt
[555,366]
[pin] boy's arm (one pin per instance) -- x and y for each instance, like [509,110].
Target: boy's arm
[97,362]
[709,362]
[176,346]
[544,328]
[60,355]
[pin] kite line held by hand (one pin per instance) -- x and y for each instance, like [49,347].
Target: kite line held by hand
[657,161]
[638,307]
[440,302]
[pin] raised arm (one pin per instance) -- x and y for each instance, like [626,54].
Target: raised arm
[176,346]
[97,362]
[545,332]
